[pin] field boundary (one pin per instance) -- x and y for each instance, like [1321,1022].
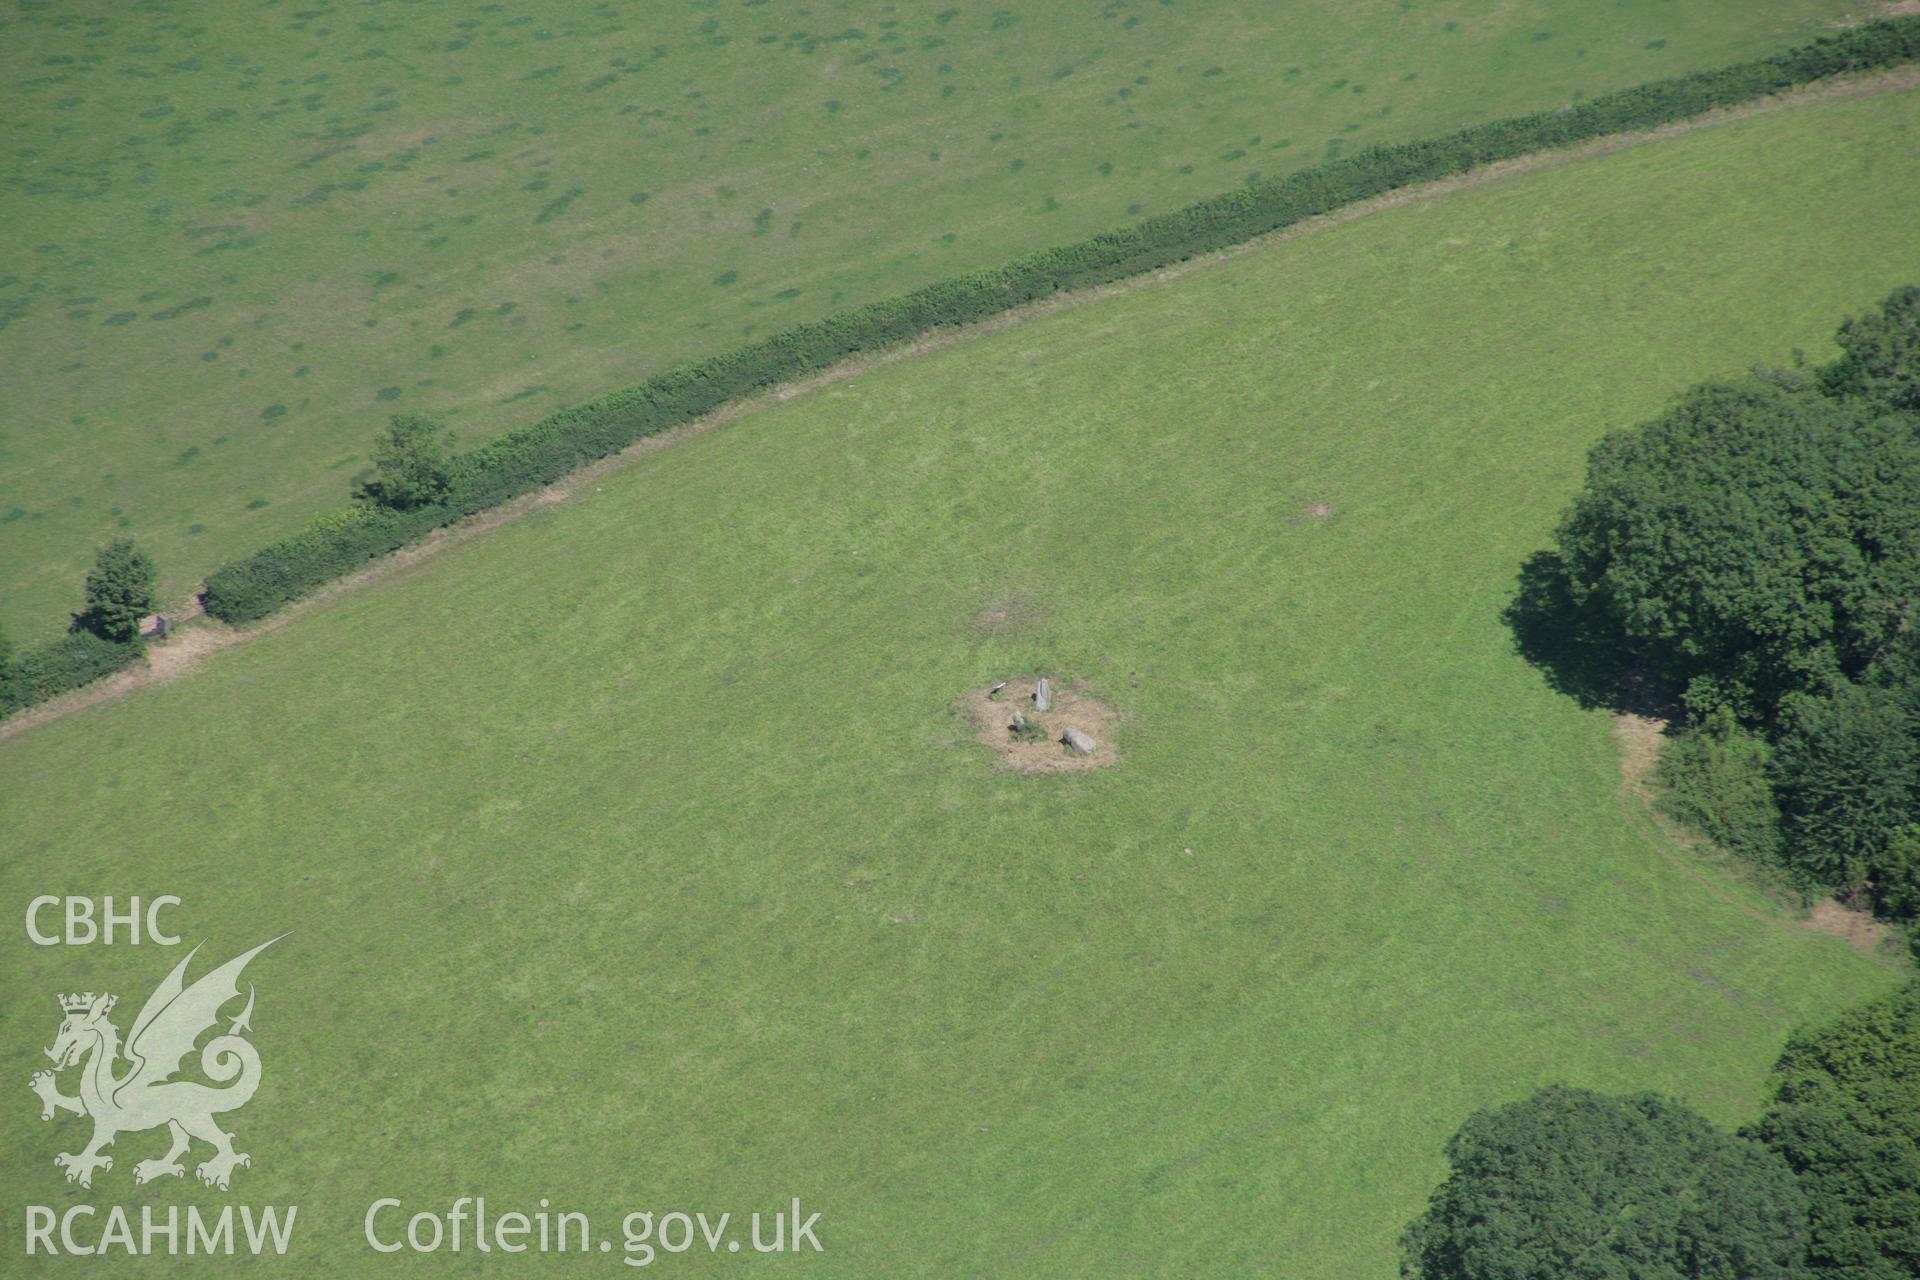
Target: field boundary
[202,635]
[526,458]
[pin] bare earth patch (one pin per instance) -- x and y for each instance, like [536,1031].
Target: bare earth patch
[1856,927]
[1640,739]
[1894,9]
[1073,708]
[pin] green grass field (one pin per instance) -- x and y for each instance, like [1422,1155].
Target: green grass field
[636,857]
[241,235]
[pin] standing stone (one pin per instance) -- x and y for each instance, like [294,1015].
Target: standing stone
[993,694]
[1043,695]
[1080,742]
[1019,723]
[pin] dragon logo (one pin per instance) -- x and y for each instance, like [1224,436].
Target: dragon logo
[146,1095]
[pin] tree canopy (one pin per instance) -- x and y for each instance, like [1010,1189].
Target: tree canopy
[1880,354]
[1755,540]
[1846,1116]
[415,457]
[119,591]
[1573,1185]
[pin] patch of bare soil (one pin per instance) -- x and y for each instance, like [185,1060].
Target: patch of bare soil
[1859,928]
[1639,739]
[1893,9]
[1073,708]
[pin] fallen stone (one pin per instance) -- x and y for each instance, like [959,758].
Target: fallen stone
[1043,695]
[993,694]
[1080,742]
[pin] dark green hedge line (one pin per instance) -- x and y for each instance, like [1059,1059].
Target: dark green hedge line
[67,663]
[242,590]
[537,454]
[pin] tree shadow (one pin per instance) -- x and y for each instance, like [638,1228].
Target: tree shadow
[1576,648]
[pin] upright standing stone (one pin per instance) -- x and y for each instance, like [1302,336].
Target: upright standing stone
[1043,695]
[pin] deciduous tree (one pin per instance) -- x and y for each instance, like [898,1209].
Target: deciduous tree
[1572,1185]
[415,457]
[1849,779]
[119,591]
[1846,1116]
[1752,541]
[1880,357]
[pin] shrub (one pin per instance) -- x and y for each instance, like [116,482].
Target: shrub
[1025,728]
[1715,780]
[119,592]
[1846,1117]
[1572,1185]
[542,452]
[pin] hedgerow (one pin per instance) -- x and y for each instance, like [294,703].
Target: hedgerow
[36,674]
[541,452]
[242,590]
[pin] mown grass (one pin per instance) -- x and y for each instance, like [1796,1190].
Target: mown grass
[240,235]
[638,858]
